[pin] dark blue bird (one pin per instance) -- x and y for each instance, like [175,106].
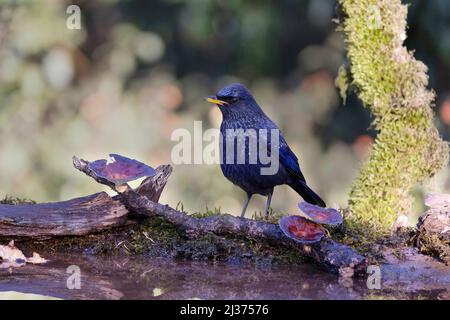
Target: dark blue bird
[241,119]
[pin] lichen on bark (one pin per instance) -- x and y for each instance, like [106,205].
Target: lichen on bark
[393,85]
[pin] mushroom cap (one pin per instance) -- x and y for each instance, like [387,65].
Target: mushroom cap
[301,229]
[120,169]
[321,215]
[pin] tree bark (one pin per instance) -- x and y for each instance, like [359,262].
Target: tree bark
[74,217]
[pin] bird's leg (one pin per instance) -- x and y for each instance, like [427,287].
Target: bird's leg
[269,199]
[249,196]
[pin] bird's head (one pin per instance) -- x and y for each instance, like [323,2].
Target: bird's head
[234,96]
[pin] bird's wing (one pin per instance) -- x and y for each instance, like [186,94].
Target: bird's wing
[289,161]
[287,158]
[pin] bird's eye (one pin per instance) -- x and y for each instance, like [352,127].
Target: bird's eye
[234,99]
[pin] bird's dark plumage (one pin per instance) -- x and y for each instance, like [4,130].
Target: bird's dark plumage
[241,111]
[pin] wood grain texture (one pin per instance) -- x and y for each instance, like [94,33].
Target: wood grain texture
[78,216]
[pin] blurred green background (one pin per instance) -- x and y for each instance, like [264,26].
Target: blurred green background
[137,70]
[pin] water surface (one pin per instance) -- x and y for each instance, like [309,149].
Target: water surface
[144,278]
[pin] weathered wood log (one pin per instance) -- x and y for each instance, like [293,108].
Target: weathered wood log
[152,187]
[330,254]
[100,212]
[78,216]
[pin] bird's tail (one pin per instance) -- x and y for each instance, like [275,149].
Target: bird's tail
[307,193]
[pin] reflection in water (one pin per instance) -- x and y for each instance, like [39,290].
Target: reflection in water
[142,278]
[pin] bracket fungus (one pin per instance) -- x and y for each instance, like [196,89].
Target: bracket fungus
[309,229]
[301,229]
[328,216]
[120,169]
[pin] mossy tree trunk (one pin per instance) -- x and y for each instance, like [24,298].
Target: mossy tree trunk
[389,81]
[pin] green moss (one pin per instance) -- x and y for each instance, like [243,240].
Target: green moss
[207,213]
[15,200]
[156,237]
[389,81]
[106,242]
[343,82]
[150,231]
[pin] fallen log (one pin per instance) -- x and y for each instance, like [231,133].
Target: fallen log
[328,253]
[100,212]
[78,216]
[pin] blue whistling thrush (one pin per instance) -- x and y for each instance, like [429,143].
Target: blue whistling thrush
[243,124]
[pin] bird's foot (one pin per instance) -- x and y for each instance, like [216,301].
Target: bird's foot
[269,213]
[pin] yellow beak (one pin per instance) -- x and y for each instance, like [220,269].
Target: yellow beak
[216,101]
